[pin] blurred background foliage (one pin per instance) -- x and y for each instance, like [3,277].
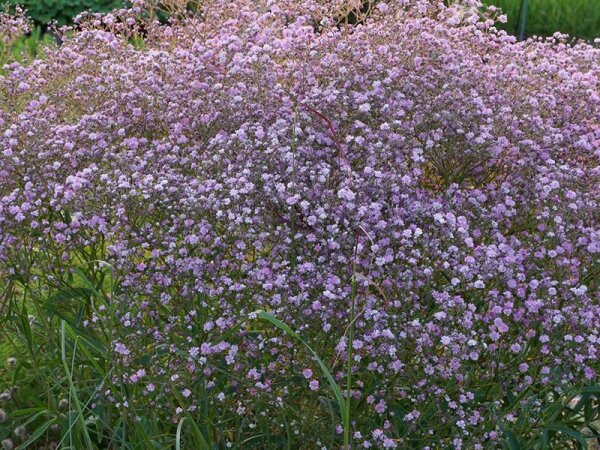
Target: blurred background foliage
[578,18]
[63,11]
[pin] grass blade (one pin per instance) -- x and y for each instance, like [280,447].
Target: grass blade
[291,333]
[178,434]
[35,436]
[580,438]
[80,417]
[200,441]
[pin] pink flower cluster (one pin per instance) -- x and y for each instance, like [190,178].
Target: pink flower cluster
[258,158]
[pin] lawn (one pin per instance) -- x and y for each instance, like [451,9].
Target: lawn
[580,18]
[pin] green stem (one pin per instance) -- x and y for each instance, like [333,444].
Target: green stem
[522,19]
[346,416]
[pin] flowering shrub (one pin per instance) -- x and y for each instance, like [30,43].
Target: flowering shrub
[417,196]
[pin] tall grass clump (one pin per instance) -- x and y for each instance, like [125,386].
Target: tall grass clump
[299,225]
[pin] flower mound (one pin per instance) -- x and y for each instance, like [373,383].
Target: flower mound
[421,174]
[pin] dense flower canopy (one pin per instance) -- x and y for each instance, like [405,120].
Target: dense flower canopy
[419,173]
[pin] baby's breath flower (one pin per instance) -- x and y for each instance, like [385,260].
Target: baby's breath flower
[415,197]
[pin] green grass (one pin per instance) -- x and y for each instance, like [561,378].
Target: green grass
[579,18]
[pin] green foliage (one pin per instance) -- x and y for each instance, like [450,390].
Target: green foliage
[63,11]
[343,404]
[579,18]
[569,421]
[61,367]
[25,48]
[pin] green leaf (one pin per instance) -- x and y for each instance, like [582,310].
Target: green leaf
[545,440]
[27,411]
[512,441]
[291,333]
[35,435]
[73,390]
[580,438]
[200,441]
[26,328]
[591,390]
[178,433]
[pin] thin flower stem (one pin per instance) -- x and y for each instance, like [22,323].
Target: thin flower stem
[347,439]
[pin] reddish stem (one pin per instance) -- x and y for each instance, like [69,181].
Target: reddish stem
[329,123]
